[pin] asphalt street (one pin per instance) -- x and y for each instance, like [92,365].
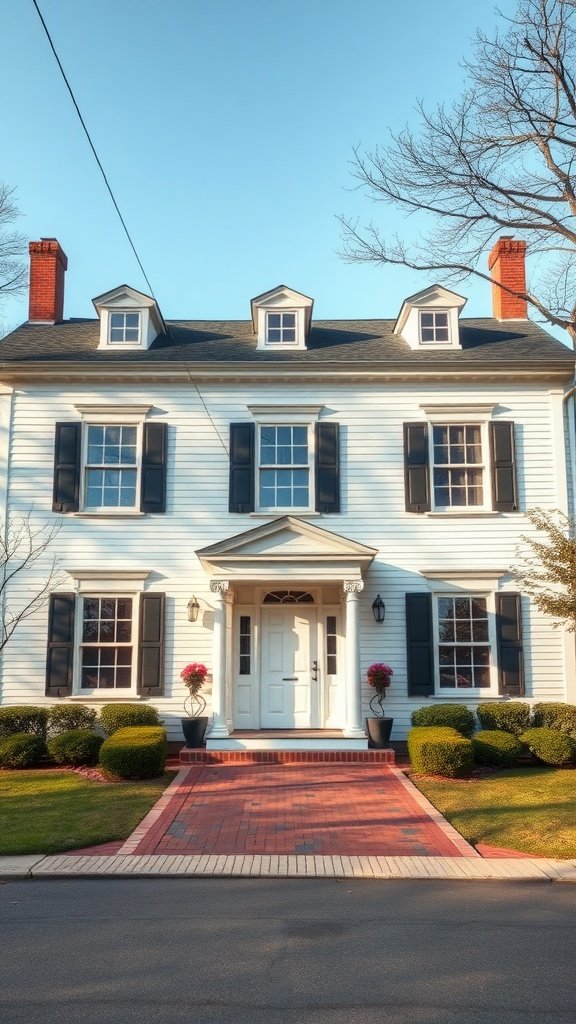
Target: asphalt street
[287,951]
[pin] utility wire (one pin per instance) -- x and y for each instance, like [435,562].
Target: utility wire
[91,144]
[122,221]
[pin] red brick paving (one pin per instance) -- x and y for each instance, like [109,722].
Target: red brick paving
[352,810]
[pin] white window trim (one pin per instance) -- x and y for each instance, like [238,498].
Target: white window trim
[124,343]
[105,694]
[466,414]
[296,421]
[435,343]
[111,416]
[472,692]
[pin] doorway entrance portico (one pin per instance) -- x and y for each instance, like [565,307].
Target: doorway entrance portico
[286,652]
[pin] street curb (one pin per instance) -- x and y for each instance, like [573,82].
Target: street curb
[473,869]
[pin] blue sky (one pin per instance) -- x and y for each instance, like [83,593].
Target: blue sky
[226,130]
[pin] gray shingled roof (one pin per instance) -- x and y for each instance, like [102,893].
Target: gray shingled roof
[330,341]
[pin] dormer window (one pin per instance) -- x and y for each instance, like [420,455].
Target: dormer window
[434,327]
[124,328]
[281,319]
[281,328]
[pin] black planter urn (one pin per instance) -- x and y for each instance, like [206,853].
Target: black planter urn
[194,729]
[378,730]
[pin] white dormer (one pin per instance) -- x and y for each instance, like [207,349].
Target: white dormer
[429,319]
[281,319]
[128,319]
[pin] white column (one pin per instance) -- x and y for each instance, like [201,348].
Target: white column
[353,727]
[219,727]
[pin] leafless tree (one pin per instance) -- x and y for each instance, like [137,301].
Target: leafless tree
[24,550]
[499,160]
[546,566]
[13,276]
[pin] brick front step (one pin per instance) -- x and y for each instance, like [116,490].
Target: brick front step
[189,756]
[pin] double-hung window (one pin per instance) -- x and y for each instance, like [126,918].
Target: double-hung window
[106,646]
[458,465]
[463,650]
[284,467]
[111,469]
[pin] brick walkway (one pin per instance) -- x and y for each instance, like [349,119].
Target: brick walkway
[295,809]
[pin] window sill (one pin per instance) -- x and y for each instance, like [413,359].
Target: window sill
[477,695]
[306,514]
[93,698]
[463,513]
[110,514]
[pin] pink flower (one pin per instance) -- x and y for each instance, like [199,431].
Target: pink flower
[194,674]
[380,676]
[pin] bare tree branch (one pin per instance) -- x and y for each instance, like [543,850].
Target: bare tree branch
[24,546]
[502,158]
[13,274]
[546,569]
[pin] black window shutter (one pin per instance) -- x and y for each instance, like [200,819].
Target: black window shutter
[60,653]
[509,636]
[419,645]
[66,492]
[242,469]
[503,456]
[416,473]
[151,645]
[327,467]
[153,485]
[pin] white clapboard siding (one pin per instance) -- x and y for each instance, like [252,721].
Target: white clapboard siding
[373,513]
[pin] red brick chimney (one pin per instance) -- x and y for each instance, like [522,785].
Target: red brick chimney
[507,265]
[48,263]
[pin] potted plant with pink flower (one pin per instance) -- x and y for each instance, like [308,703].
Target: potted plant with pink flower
[379,728]
[194,726]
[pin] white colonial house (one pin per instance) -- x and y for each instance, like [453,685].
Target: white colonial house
[287,501]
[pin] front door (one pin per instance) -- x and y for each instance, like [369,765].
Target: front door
[287,689]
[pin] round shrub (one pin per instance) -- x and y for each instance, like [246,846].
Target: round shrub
[75,747]
[135,752]
[555,716]
[17,719]
[64,717]
[455,716]
[550,746]
[495,747]
[120,716]
[21,750]
[440,750]
[511,716]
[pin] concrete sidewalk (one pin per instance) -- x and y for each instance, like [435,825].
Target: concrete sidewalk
[277,866]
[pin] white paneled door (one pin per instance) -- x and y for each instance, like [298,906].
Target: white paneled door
[288,688]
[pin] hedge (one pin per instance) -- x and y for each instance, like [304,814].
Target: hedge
[550,746]
[496,747]
[511,716]
[555,716]
[75,747]
[64,717]
[16,719]
[455,716]
[120,716]
[440,750]
[135,752]
[21,750]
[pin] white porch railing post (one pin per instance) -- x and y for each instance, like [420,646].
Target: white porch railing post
[353,727]
[219,727]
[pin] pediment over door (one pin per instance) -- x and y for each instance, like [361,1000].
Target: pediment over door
[288,547]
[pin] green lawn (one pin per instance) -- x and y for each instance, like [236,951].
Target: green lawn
[53,811]
[527,809]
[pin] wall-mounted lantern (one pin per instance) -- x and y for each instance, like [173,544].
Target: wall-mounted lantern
[193,609]
[378,609]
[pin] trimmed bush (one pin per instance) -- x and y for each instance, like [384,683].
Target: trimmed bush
[23,719]
[440,750]
[21,750]
[64,717]
[550,746]
[135,752]
[455,716]
[510,716]
[555,716]
[120,716]
[496,747]
[75,747]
